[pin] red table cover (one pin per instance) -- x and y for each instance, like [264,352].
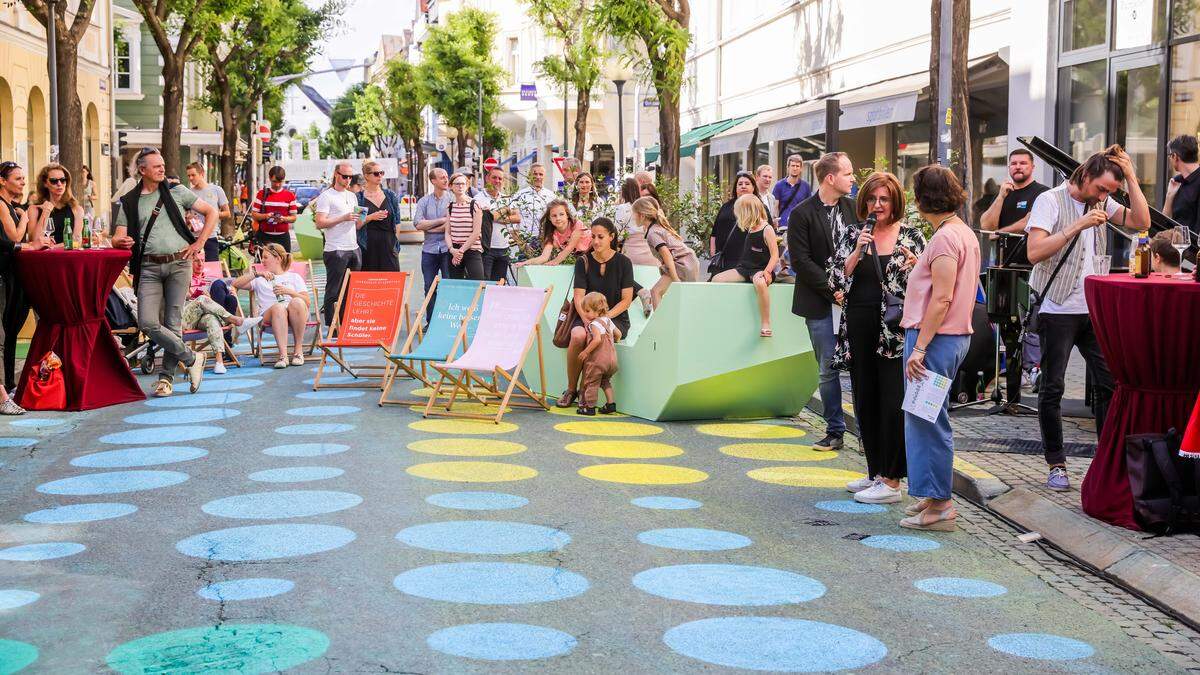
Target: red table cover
[69,290]
[1149,331]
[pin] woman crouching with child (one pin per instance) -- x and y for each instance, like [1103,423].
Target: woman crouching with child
[759,257]
[599,357]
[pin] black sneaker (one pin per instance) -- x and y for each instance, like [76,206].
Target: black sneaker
[830,442]
[589,412]
[609,408]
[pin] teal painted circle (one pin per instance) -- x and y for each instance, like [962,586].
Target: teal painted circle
[38,422]
[491,583]
[775,644]
[667,503]
[199,400]
[228,648]
[130,457]
[330,395]
[112,482]
[959,587]
[265,542]
[245,589]
[161,435]
[484,537]
[79,513]
[12,598]
[184,416]
[244,371]
[296,474]
[1041,646]
[477,501]
[901,543]
[694,539]
[14,442]
[501,642]
[283,504]
[324,411]
[334,379]
[15,656]
[38,552]
[222,384]
[306,449]
[730,585]
[314,429]
[849,506]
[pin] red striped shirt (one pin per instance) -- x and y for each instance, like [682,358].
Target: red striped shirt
[282,203]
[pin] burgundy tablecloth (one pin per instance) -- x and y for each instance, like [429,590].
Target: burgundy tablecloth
[1149,331]
[68,290]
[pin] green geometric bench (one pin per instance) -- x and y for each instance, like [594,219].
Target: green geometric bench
[699,356]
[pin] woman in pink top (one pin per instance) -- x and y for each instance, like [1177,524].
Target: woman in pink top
[937,322]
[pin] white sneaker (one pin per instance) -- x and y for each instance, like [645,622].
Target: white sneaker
[247,324]
[281,363]
[218,368]
[879,493]
[860,484]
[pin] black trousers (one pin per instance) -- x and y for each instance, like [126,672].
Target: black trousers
[877,386]
[336,265]
[471,267]
[1058,333]
[495,264]
[16,311]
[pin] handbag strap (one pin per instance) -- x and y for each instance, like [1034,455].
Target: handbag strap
[1057,268]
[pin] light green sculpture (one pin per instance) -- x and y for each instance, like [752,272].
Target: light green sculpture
[699,356]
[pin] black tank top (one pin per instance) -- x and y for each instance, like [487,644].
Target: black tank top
[756,255]
[866,291]
[12,212]
[58,218]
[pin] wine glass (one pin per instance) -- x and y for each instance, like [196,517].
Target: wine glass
[1181,240]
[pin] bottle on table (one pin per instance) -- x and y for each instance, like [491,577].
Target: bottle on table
[68,234]
[1141,256]
[87,233]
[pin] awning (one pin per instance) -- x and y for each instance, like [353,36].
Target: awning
[692,139]
[736,138]
[188,138]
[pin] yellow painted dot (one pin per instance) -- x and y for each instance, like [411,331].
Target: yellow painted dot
[472,472]
[570,412]
[462,427]
[426,392]
[643,474]
[466,447]
[608,428]
[776,452]
[466,407]
[804,476]
[742,430]
[624,449]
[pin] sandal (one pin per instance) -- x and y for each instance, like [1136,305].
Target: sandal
[567,399]
[932,520]
[766,332]
[586,411]
[916,507]
[609,408]
[10,407]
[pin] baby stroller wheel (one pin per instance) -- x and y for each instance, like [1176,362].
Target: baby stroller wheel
[147,363]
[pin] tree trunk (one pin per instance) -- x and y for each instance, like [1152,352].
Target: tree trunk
[960,129]
[417,168]
[461,143]
[583,103]
[229,139]
[70,111]
[172,126]
[668,132]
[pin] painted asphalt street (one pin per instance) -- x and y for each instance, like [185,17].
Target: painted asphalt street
[260,526]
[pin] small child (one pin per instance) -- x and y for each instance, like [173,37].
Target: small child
[760,256]
[599,357]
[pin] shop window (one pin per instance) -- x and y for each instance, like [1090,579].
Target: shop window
[912,150]
[1138,23]
[1185,18]
[1184,113]
[1136,129]
[762,154]
[1083,90]
[1085,23]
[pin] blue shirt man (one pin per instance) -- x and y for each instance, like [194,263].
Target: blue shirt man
[431,218]
[791,190]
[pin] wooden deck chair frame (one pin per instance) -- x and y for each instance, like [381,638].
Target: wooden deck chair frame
[462,382]
[327,350]
[397,362]
[314,318]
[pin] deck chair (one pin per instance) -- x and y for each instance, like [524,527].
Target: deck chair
[197,340]
[304,269]
[453,300]
[508,328]
[369,315]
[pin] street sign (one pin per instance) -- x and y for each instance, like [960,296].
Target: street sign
[529,92]
[264,131]
[468,153]
[490,163]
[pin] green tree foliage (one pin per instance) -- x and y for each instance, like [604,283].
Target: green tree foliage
[405,96]
[578,67]
[345,138]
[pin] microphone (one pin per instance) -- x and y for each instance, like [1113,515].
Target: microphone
[869,223]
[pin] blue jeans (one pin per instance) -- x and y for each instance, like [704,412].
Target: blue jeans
[930,445]
[431,265]
[823,338]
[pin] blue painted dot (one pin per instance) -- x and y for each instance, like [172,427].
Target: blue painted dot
[296,474]
[477,501]
[35,552]
[15,655]
[79,513]
[484,537]
[211,385]
[283,504]
[38,422]
[162,435]
[314,429]
[1041,646]
[112,482]
[151,456]
[184,416]
[501,641]
[265,542]
[960,588]
[775,644]
[694,539]
[12,598]
[306,449]
[849,506]
[491,583]
[334,379]
[324,410]
[330,394]
[245,589]
[900,543]
[242,372]
[740,585]
[669,503]
[199,400]
[13,442]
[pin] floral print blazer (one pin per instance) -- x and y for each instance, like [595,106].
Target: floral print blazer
[891,344]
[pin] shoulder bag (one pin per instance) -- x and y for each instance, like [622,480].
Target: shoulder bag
[716,264]
[1036,297]
[893,305]
[567,314]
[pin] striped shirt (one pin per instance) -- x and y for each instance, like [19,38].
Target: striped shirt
[462,222]
[282,203]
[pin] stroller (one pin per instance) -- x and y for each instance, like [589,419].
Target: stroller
[121,312]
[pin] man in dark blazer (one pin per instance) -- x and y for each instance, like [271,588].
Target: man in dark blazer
[810,242]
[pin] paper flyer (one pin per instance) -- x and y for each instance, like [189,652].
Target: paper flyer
[925,398]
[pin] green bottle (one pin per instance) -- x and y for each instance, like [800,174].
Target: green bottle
[68,235]
[87,232]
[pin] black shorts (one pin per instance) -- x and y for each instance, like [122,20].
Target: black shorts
[284,239]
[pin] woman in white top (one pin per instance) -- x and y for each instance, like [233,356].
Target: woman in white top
[282,299]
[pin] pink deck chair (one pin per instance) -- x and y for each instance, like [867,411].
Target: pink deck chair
[304,269]
[197,340]
[508,328]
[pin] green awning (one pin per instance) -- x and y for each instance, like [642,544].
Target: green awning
[690,140]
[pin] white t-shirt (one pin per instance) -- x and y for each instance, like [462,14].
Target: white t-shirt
[603,325]
[623,217]
[1043,216]
[531,204]
[334,204]
[499,230]
[264,293]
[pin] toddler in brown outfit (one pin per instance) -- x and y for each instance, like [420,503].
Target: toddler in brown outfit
[599,357]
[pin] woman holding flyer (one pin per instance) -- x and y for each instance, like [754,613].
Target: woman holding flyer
[937,323]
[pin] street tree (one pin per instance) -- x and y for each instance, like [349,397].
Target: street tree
[657,33]
[578,67]
[405,96]
[66,50]
[962,156]
[344,139]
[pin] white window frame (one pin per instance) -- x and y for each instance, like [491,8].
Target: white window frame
[130,28]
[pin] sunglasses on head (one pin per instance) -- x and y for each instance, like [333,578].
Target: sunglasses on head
[57,181]
[5,166]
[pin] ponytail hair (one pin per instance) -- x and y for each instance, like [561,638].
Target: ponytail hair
[285,258]
[648,207]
